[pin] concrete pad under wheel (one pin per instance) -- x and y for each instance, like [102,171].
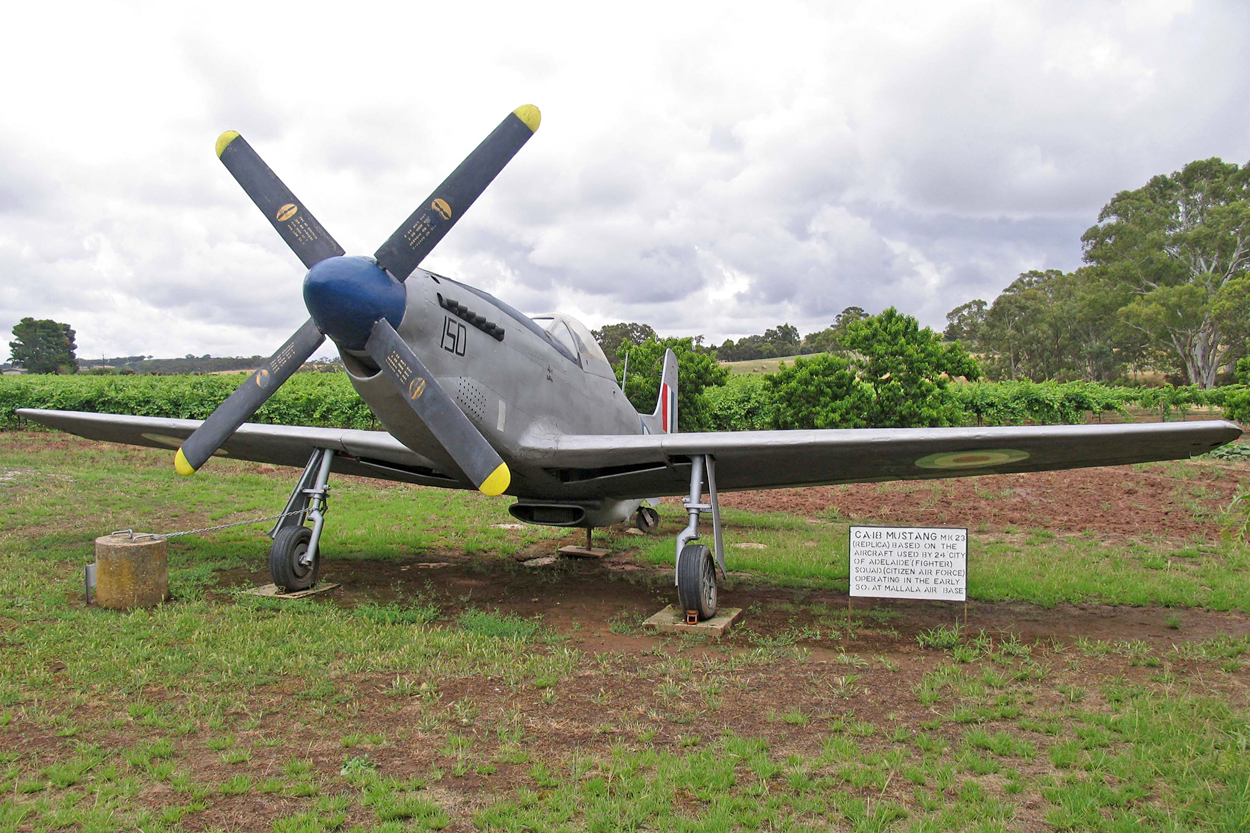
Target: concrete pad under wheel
[272,591]
[583,552]
[673,620]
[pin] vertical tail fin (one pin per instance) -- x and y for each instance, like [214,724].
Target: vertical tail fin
[665,416]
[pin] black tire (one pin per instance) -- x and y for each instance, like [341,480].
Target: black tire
[696,581]
[647,519]
[289,546]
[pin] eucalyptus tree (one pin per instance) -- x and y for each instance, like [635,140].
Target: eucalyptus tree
[1180,246]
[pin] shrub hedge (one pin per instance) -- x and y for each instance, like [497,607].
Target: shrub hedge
[745,403]
[320,399]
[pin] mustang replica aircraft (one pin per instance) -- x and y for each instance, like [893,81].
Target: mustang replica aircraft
[476,395]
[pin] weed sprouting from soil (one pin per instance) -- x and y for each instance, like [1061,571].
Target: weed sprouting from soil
[499,626]
[395,614]
[942,638]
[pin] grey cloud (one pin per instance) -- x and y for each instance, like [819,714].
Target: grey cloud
[229,94]
[729,172]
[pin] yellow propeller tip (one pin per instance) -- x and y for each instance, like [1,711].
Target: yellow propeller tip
[497,482]
[224,140]
[528,114]
[181,465]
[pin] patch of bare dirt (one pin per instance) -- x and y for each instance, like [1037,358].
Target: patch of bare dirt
[598,604]
[1112,501]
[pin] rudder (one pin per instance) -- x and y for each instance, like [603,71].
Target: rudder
[665,416]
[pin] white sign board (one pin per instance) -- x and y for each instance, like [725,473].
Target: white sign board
[898,562]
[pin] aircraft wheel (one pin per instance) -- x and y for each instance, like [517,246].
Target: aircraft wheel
[647,519]
[286,559]
[696,581]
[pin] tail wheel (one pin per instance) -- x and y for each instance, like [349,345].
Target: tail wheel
[289,564]
[696,581]
[647,519]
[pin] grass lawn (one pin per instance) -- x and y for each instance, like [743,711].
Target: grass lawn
[447,686]
[761,366]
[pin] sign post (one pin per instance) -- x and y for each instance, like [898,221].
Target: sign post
[896,562]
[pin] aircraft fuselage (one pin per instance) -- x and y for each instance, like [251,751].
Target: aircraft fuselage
[512,379]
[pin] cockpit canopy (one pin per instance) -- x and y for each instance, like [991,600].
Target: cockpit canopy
[575,337]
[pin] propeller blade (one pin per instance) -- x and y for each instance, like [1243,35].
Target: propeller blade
[420,233]
[435,408]
[247,398]
[298,227]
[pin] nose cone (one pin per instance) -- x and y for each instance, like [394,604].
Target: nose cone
[347,295]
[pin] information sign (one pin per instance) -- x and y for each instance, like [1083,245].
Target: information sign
[896,562]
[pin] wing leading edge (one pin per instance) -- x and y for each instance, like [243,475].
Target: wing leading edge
[650,464]
[363,453]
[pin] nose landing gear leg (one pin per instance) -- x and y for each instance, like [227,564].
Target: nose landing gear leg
[294,558]
[696,567]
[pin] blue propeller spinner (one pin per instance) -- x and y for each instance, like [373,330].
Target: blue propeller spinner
[347,295]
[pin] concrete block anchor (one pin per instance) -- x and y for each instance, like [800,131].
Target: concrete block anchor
[130,571]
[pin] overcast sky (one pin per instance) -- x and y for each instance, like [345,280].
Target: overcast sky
[712,168]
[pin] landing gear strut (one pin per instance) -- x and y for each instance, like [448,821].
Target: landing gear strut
[294,558]
[696,567]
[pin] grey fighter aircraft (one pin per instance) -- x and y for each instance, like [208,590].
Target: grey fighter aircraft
[476,395]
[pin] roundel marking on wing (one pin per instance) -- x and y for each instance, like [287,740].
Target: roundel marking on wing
[981,458]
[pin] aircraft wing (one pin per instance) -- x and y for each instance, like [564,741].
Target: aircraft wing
[363,453]
[646,465]
[659,464]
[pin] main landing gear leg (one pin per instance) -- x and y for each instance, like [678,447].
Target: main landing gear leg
[294,557]
[696,567]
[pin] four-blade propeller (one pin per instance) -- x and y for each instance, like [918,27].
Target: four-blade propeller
[359,302]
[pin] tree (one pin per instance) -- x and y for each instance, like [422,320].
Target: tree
[823,341]
[909,370]
[964,323]
[847,317]
[1025,329]
[612,336]
[820,392]
[44,346]
[784,339]
[1175,244]
[743,403]
[695,372]
[1051,325]
[829,340]
[1098,343]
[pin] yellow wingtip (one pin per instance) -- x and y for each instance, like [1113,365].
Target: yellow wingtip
[181,465]
[529,114]
[224,140]
[497,482]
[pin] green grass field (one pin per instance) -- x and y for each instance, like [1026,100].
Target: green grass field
[487,695]
[760,366]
